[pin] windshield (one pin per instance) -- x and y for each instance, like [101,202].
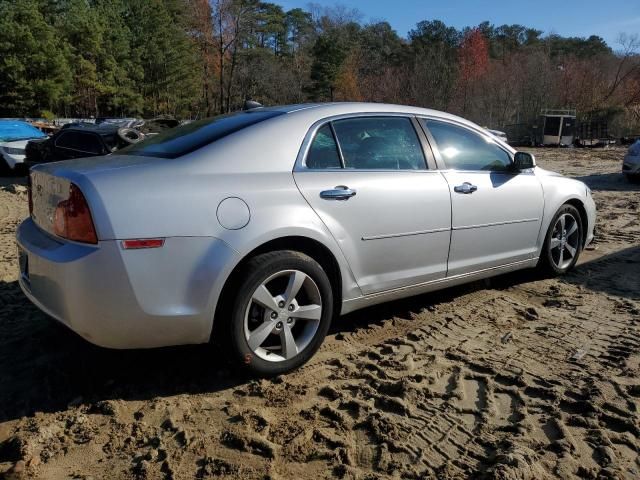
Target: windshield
[14,131]
[179,141]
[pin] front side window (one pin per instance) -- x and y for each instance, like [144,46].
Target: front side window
[323,152]
[462,149]
[379,143]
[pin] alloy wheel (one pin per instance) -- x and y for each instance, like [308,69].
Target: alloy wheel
[283,315]
[565,241]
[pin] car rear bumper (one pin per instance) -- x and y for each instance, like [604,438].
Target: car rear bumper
[120,298]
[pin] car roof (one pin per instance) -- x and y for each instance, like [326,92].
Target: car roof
[298,122]
[328,109]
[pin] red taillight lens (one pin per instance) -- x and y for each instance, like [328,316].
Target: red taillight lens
[72,219]
[29,194]
[142,243]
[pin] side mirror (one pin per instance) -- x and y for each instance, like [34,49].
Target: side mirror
[523,161]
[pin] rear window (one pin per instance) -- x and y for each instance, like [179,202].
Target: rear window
[190,137]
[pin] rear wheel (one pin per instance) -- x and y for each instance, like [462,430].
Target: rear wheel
[563,242]
[281,312]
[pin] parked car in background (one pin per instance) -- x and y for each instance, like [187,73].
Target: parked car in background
[629,139]
[120,122]
[14,136]
[631,162]
[77,140]
[497,133]
[257,228]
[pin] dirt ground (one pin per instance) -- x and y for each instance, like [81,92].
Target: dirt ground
[519,377]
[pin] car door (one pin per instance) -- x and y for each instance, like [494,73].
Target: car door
[496,211]
[368,179]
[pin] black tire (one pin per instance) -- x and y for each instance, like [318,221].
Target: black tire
[130,135]
[252,276]
[547,261]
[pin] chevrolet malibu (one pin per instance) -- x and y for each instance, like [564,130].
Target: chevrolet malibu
[256,229]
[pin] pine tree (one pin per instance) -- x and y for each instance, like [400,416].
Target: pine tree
[34,72]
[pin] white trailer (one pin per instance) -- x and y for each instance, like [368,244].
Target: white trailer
[558,127]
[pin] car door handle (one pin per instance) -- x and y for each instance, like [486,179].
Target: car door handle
[341,192]
[466,187]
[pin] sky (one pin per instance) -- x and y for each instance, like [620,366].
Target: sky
[580,18]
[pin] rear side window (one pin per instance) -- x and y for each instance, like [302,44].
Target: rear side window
[80,142]
[190,137]
[379,143]
[323,152]
[463,149]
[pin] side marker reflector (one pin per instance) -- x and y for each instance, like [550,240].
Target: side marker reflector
[142,243]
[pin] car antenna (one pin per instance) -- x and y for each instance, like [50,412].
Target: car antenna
[249,104]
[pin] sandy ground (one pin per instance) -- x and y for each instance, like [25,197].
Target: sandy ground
[518,377]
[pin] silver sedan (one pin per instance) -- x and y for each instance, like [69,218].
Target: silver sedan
[256,229]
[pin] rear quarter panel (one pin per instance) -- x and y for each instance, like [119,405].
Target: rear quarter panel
[147,198]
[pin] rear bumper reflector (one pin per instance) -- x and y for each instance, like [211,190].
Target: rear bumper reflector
[142,243]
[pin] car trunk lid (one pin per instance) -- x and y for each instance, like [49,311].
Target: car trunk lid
[91,165]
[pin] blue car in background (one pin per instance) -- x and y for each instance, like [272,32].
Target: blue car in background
[14,136]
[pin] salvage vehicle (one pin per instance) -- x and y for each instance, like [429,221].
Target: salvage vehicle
[256,229]
[631,162]
[76,140]
[14,136]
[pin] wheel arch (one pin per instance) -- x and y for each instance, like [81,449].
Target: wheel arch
[584,219]
[309,246]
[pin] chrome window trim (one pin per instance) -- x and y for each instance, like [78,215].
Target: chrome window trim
[300,165]
[495,224]
[442,164]
[338,146]
[405,234]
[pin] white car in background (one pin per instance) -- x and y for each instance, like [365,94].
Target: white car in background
[14,136]
[631,162]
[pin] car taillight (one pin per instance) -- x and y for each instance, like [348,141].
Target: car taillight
[136,244]
[72,219]
[30,194]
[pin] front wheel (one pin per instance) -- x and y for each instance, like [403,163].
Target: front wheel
[281,312]
[563,242]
